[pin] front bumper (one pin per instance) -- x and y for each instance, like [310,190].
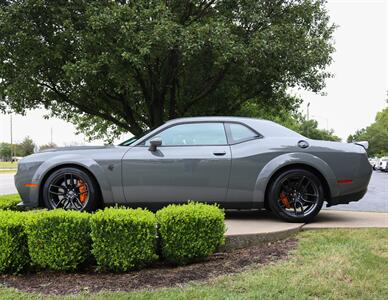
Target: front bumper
[29,195]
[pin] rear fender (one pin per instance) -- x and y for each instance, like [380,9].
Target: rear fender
[289,159]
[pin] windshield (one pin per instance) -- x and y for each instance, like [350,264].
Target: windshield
[129,142]
[133,139]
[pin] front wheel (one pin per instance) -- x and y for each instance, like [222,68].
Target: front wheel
[296,195]
[71,188]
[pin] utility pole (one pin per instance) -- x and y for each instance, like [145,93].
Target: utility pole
[51,134]
[308,118]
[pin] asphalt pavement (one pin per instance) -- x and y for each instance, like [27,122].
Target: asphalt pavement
[376,199]
[7,185]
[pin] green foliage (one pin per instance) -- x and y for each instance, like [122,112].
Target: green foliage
[58,239]
[47,146]
[290,118]
[5,151]
[190,232]
[376,134]
[26,147]
[309,128]
[9,202]
[123,239]
[14,255]
[114,66]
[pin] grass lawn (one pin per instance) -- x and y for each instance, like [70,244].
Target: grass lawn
[328,264]
[8,165]
[2,171]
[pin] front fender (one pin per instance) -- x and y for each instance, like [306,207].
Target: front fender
[289,159]
[76,160]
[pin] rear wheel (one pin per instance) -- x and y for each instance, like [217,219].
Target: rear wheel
[71,188]
[296,195]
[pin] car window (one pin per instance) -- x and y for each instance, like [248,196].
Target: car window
[193,134]
[241,133]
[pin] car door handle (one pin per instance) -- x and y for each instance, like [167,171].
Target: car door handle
[221,153]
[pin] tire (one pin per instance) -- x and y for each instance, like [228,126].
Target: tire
[71,188]
[287,196]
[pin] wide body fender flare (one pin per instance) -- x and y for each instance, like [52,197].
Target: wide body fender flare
[72,160]
[290,159]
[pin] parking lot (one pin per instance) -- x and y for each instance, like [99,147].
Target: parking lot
[376,198]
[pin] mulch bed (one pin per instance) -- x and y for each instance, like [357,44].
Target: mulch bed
[155,276]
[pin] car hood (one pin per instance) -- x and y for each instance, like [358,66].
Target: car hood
[73,148]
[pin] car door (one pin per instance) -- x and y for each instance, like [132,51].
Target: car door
[249,157]
[193,163]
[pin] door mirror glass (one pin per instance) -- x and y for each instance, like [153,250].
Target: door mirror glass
[155,143]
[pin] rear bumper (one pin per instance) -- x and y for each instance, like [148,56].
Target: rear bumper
[345,199]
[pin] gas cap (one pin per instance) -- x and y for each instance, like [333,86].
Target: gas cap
[303,144]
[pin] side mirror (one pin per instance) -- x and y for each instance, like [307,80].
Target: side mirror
[155,143]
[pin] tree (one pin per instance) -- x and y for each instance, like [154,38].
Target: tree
[309,128]
[47,146]
[289,118]
[5,151]
[26,147]
[117,65]
[376,134]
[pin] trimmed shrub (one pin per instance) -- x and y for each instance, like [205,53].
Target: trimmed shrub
[14,255]
[190,232]
[58,239]
[123,239]
[9,202]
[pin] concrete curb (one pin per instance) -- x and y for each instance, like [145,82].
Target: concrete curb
[239,241]
[252,231]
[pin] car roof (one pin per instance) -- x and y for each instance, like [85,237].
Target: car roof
[212,118]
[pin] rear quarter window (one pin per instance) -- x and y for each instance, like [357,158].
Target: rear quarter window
[240,133]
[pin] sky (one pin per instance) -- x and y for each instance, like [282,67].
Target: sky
[351,98]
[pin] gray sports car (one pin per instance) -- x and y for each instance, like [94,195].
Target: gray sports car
[239,163]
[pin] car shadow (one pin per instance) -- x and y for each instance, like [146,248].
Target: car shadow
[250,214]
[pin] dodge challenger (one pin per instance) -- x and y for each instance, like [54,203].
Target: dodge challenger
[238,163]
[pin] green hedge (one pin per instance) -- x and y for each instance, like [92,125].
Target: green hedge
[190,232]
[120,239]
[14,255]
[9,202]
[123,239]
[58,239]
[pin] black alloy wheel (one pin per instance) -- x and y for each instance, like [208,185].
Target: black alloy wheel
[70,188]
[296,195]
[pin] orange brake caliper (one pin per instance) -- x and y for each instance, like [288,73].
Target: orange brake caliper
[284,200]
[83,192]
